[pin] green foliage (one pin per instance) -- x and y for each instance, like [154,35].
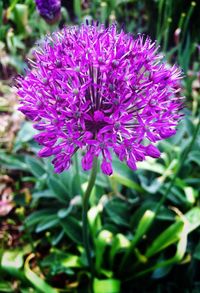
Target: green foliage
[144,225]
[36,281]
[130,238]
[111,285]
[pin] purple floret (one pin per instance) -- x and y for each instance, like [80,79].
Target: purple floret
[101,91]
[49,9]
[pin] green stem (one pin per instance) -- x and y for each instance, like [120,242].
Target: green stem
[187,19]
[86,197]
[78,172]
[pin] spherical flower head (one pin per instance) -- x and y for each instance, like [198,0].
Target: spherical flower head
[103,92]
[49,9]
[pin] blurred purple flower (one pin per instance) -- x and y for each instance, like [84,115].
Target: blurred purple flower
[49,9]
[101,91]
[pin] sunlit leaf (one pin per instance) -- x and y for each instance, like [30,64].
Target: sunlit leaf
[119,243]
[12,262]
[108,286]
[103,239]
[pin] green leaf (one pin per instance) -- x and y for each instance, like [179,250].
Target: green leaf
[12,259]
[36,281]
[65,212]
[165,214]
[106,286]
[12,262]
[161,272]
[24,135]
[177,196]
[118,212]
[189,125]
[119,243]
[70,261]
[42,194]
[39,216]
[103,239]
[60,258]
[180,251]
[49,222]
[4,285]
[20,17]
[72,229]
[66,178]
[94,219]
[194,156]
[168,237]
[184,225]
[29,290]
[193,218]
[126,182]
[59,189]
[143,226]
[36,167]
[57,237]
[155,167]
[154,185]
[76,188]
[12,162]
[197,252]
[190,194]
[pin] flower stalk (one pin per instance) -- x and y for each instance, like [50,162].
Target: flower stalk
[86,196]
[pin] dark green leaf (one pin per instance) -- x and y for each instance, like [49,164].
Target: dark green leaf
[6,287]
[72,228]
[39,216]
[56,238]
[197,252]
[36,167]
[194,156]
[161,272]
[24,135]
[168,237]
[65,212]
[49,222]
[13,162]
[59,189]
[118,212]
[43,194]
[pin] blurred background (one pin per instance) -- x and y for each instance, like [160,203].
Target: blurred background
[40,212]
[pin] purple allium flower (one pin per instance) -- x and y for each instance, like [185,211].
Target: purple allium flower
[49,9]
[101,91]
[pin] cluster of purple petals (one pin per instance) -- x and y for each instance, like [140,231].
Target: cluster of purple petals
[101,91]
[49,9]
